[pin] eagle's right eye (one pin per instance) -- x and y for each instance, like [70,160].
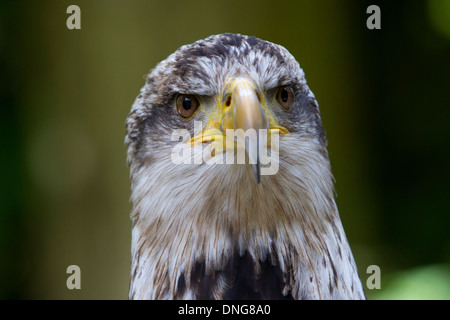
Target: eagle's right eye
[187,104]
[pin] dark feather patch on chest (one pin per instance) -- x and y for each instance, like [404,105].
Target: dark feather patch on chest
[239,280]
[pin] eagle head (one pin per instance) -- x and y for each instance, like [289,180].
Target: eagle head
[231,184]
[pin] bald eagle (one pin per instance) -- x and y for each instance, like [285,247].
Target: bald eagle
[206,226]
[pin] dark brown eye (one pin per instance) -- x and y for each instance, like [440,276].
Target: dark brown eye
[285,96]
[187,104]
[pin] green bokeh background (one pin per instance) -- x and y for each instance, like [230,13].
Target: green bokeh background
[65,94]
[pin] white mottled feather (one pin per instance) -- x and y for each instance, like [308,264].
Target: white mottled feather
[182,231]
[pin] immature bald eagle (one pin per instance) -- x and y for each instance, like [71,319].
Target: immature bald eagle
[229,231]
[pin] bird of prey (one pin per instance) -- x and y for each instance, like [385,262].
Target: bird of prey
[230,230]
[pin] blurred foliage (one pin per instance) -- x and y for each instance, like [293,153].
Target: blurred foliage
[439,12]
[422,283]
[65,95]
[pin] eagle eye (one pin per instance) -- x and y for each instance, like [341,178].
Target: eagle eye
[187,104]
[285,96]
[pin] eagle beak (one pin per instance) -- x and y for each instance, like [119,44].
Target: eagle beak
[242,109]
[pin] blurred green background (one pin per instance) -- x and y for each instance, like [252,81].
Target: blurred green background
[65,94]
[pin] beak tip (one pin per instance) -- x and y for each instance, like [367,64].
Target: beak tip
[257,171]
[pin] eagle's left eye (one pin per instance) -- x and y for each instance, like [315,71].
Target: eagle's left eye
[187,104]
[285,96]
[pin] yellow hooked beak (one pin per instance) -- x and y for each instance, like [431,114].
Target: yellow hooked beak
[242,105]
[242,109]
